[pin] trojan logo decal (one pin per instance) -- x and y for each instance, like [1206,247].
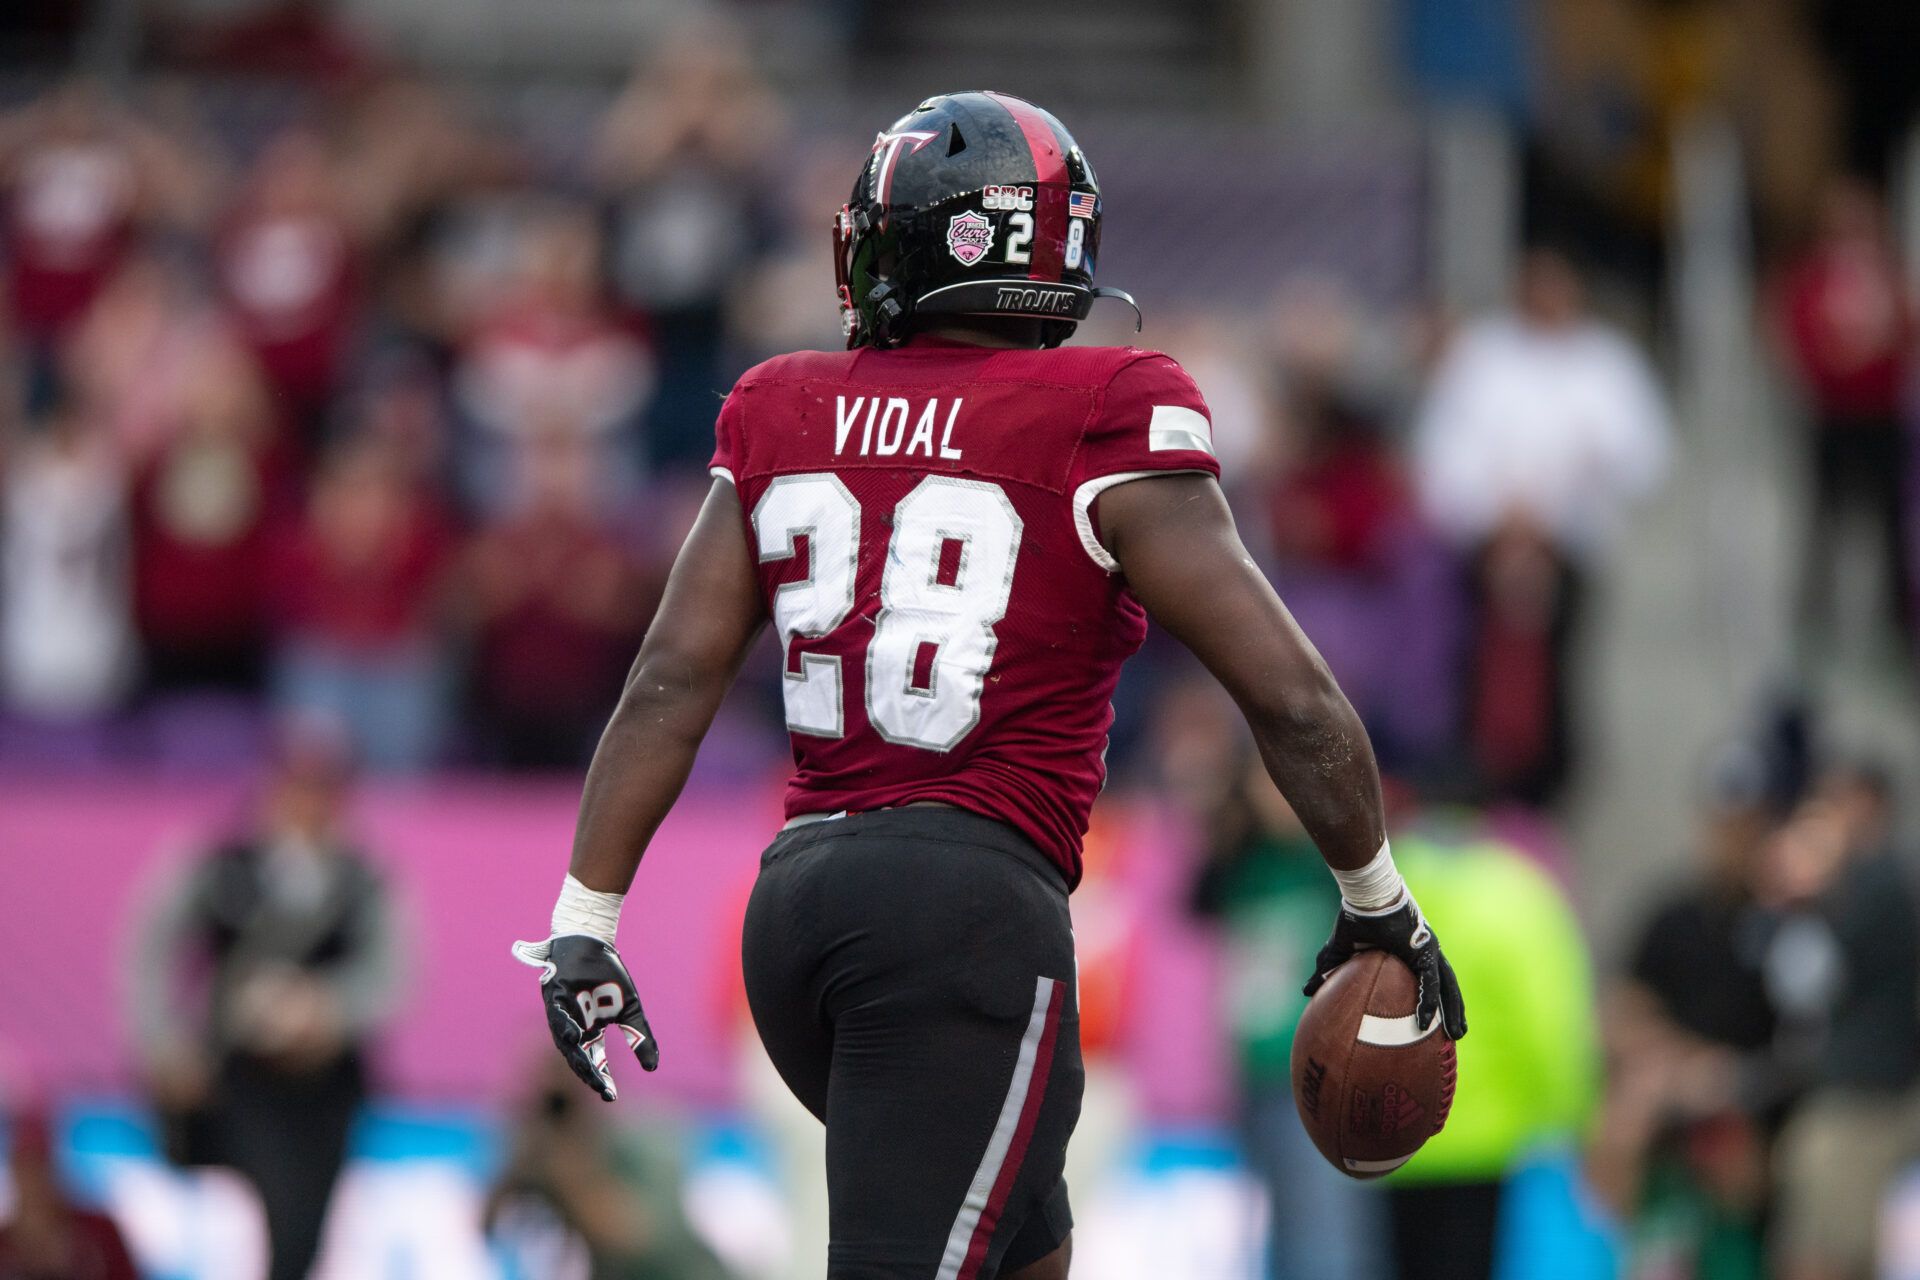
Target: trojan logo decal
[969,236]
[886,149]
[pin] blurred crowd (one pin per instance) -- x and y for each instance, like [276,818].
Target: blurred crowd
[396,420]
[383,417]
[1757,1119]
[374,416]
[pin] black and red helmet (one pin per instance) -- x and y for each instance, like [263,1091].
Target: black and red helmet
[972,204]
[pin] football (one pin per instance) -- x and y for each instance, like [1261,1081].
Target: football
[1371,1086]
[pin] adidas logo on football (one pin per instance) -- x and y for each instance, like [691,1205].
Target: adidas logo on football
[1399,1109]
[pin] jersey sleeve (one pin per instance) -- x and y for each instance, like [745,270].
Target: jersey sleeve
[729,443]
[1152,420]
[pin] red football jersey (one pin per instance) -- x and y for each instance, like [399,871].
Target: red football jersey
[926,529]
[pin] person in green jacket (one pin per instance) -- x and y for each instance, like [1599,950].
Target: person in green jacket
[1265,884]
[1529,1073]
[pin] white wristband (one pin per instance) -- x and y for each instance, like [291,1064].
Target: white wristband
[1374,888]
[583,910]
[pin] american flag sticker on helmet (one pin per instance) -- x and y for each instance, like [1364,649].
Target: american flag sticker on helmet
[1080,204]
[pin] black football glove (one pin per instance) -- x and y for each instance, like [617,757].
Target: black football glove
[1403,934]
[586,989]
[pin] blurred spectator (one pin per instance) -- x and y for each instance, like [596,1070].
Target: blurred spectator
[1685,1168]
[1694,1091]
[258,976]
[47,1236]
[294,39]
[81,176]
[1849,331]
[573,1184]
[559,605]
[1343,499]
[1849,952]
[407,145]
[289,268]
[1349,549]
[397,404]
[1265,882]
[357,602]
[552,350]
[415,168]
[147,332]
[1540,431]
[66,633]
[1713,924]
[780,304]
[682,156]
[208,496]
[1529,1068]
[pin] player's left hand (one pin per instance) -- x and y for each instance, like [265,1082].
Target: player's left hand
[1402,933]
[586,988]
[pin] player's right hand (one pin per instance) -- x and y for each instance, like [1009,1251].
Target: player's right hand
[586,988]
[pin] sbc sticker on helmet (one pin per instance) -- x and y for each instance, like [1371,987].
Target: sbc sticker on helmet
[1014,199]
[969,237]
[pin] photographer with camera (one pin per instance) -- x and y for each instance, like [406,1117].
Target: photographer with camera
[580,1197]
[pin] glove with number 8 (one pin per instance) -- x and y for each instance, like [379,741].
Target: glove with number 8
[586,988]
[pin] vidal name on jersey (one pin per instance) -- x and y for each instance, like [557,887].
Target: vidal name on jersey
[881,423]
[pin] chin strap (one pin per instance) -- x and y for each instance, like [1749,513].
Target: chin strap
[1122,295]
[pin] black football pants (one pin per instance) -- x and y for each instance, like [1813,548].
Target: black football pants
[911,973]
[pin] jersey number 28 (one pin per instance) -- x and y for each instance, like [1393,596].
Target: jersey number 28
[933,639]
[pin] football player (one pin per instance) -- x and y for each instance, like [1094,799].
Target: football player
[958,529]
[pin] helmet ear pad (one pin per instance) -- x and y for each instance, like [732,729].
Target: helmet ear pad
[887,314]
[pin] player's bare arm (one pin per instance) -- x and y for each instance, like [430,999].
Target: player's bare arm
[707,621]
[1175,540]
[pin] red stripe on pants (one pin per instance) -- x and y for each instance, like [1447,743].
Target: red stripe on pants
[1022,1135]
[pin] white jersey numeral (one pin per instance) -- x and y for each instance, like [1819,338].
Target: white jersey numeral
[819,508]
[947,581]
[933,641]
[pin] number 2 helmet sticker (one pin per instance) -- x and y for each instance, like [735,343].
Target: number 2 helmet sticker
[969,236]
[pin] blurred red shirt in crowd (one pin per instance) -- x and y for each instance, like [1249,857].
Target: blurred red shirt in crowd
[1340,502]
[1849,325]
[205,504]
[552,348]
[290,272]
[361,571]
[48,1237]
[69,215]
[559,603]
